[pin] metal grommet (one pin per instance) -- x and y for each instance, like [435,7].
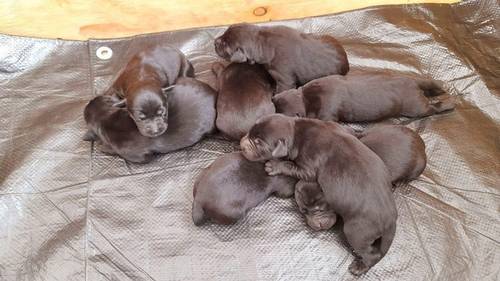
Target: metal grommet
[104,53]
[260,11]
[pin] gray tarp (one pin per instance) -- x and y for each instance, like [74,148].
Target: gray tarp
[68,212]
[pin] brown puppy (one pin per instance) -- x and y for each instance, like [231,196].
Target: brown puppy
[401,149]
[364,97]
[245,92]
[354,179]
[313,205]
[292,58]
[141,82]
[231,186]
[191,106]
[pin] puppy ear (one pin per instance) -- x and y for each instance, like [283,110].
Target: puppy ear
[167,89]
[121,103]
[280,150]
[238,56]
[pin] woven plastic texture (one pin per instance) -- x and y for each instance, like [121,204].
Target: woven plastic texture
[69,212]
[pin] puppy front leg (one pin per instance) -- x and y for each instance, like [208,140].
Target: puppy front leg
[289,168]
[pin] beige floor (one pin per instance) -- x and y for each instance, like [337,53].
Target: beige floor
[83,19]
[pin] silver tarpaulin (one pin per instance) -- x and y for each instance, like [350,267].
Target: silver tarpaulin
[69,212]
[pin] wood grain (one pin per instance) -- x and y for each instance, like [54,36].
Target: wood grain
[83,19]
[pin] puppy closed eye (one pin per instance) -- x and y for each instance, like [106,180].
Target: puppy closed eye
[141,116]
[258,142]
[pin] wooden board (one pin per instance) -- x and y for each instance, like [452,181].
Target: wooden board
[83,19]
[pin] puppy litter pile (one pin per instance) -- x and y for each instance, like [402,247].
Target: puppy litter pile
[70,212]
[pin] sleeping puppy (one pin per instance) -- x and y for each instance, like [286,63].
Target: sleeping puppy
[292,58]
[364,97]
[245,92]
[313,205]
[191,106]
[231,186]
[141,82]
[354,179]
[401,149]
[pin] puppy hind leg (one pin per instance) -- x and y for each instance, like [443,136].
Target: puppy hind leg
[283,81]
[423,106]
[138,158]
[284,190]
[106,148]
[366,248]
[386,240]
[198,214]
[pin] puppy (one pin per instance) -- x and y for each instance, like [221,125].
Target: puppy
[231,186]
[292,58]
[401,149]
[191,106]
[364,97]
[141,82]
[313,205]
[245,92]
[354,179]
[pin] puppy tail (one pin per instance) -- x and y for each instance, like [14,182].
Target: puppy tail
[89,136]
[198,214]
[431,87]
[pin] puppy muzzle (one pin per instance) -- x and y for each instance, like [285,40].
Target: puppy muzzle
[248,149]
[153,129]
[321,221]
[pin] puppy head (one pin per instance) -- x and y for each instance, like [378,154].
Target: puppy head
[235,44]
[290,103]
[270,138]
[312,203]
[149,110]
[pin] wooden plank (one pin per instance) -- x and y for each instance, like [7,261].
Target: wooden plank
[83,19]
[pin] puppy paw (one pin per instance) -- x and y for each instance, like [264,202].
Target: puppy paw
[357,267]
[272,167]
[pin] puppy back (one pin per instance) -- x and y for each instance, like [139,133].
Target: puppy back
[401,149]
[342,55]
[245,93]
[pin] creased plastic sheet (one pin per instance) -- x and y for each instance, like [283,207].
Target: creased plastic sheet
[69,212]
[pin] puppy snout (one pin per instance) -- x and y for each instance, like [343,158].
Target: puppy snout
[246,148]
[244,141]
